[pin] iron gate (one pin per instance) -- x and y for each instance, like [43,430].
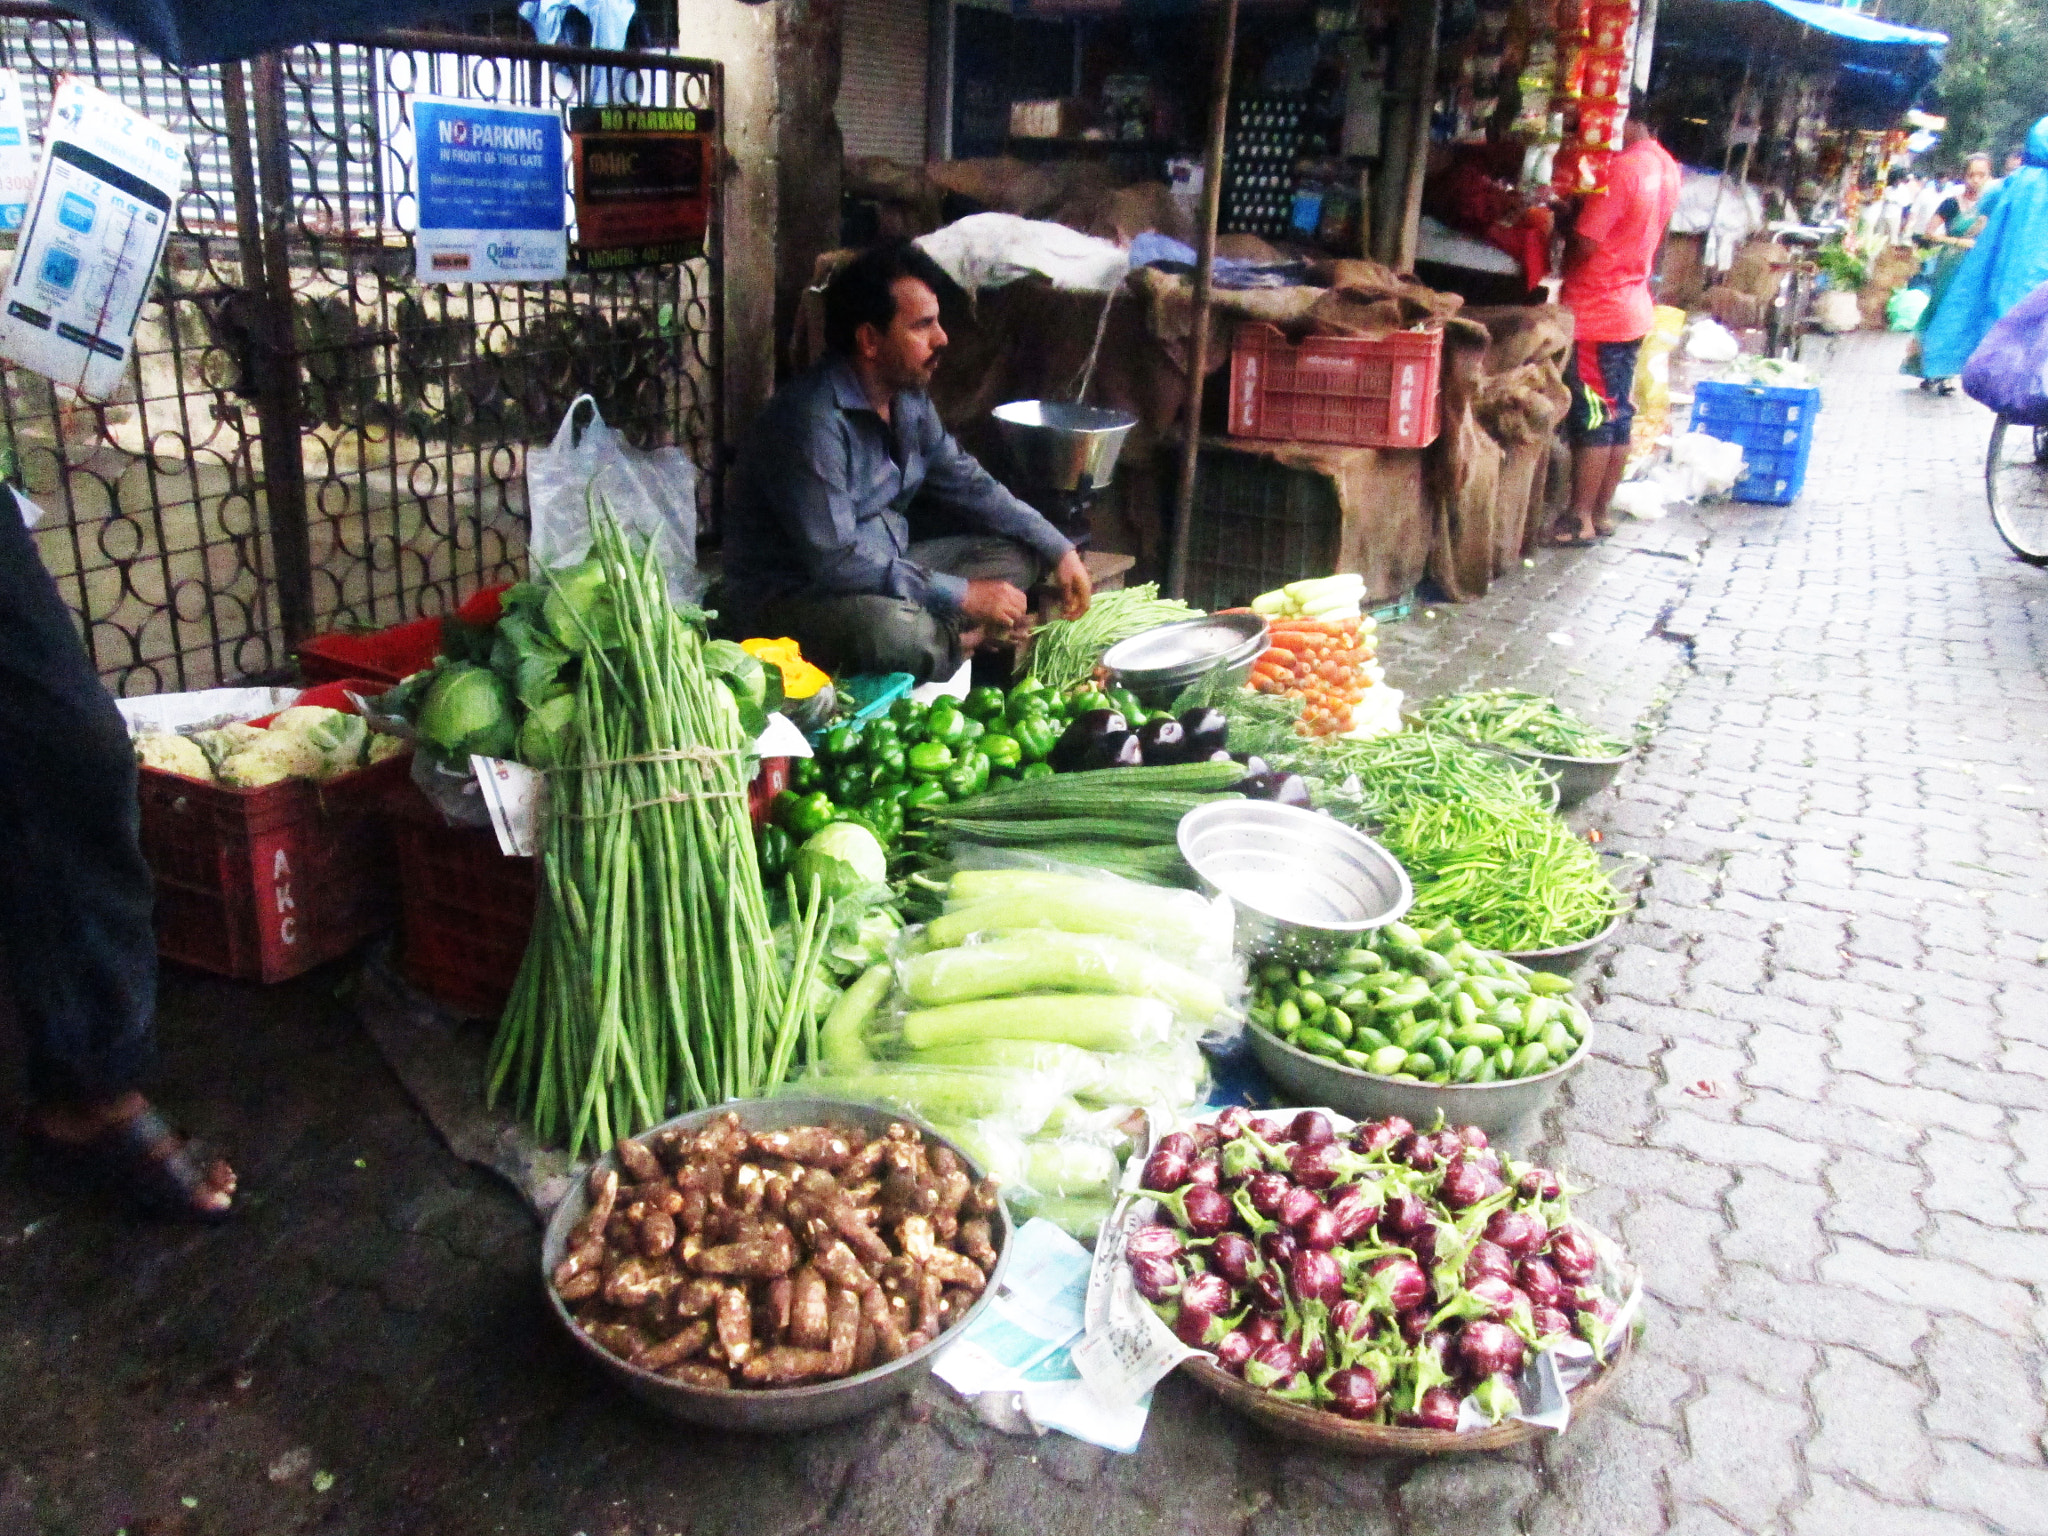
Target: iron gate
[308,438]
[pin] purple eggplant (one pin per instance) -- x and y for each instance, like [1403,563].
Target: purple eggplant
[1538,1184]
[1154,1241]
[1278,788]
[1397,1283]
[1488,1258]
[1375,1136]
[1083,737]
[1201,1210]
[1319,1230]
[1311,1128]
[1472,1136]
[1272,1365]
[1414,1324]
[1423,1244]
[1167,1168]
[1353,1393]
[1418,1151]
[1209,1291]
[1317,1166]
[1538,1280]
[1580,1298]
[1204,1135]
[1466,1183]
[1204,731]
[1267,1193]
[1233,1257]
[1206,1170]
[1232,1350]
[1314,1352]
[1516,1231]
[1449,1145]
[1403,1216]
[1572,1253]
[1275,1131]
[1269,1291]
[1297,1205]
[1437,1409]
[1116,750]
[1194,1327]
[1314,1276]
[1501,1298]
[1488,1349]
[1279,1248]
[1162,742]
[1156,1279]
[1231,1121]
[1261,1328]
[1354,1212]
[1547,1322]
[1350,1323]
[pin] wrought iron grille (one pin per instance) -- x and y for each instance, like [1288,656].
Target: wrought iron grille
[315,440]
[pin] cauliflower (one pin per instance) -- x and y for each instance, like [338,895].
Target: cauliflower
[222,744]
[337,737]
[169,752]
[382,747]
[278,756]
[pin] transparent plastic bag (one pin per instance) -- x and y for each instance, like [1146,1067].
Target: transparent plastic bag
[650,491]
[1048,959]
[1020,1100]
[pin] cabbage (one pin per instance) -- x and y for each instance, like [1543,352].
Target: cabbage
[468,710]
[544,738]
[382,746]
[846,858]
[579,611]
[171,753]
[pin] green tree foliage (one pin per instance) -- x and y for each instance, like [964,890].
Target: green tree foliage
[1994,79]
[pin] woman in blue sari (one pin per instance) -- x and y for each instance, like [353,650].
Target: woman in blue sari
[1952,232]
[2009,260]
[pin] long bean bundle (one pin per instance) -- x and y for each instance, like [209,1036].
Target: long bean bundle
[1065,651]
[652,976]
[1404,768]
[1530,721]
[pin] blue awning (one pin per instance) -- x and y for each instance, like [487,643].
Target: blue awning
[1856,27]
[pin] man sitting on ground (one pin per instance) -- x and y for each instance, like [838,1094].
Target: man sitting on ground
[818,541]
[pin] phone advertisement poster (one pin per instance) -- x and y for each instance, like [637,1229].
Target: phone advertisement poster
[97,222]
[492,203]
[17,160]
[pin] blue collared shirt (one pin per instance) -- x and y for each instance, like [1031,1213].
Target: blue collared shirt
[822,487]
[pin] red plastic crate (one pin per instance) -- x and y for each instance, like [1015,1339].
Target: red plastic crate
[467,909]
[389,655]
[1358,391]
[262,884]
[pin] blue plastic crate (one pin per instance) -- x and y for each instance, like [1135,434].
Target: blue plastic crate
[1773,427]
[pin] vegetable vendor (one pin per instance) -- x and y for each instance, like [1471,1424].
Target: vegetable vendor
[75,896]
[818,544]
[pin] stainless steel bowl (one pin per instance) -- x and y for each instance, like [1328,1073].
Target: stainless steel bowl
[1565,958]
[1301,882]
[774,1410]
[1159,663]
[1505,1111]
[1577,778]
[1056,446]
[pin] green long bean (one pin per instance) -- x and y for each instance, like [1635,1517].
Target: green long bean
[1531,721]
[1065,651]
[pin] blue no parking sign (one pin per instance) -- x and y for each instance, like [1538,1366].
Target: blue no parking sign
[490,193]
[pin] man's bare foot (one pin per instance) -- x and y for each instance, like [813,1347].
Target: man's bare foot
[124,1146]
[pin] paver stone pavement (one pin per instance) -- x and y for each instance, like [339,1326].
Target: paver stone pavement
[1816,1112]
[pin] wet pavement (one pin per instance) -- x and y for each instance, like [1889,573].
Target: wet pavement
[1819,1115]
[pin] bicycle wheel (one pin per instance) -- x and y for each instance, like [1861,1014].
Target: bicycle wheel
[2016,481]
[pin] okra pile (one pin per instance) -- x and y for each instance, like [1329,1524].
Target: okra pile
[1423,1007]
[724,1258]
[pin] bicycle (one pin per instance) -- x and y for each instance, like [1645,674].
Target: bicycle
[2016,485]
[1786,327]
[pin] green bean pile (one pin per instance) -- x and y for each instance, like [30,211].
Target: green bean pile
[1531,721]
[652,976]
[1407,768]
[1513,878]
[1065,651]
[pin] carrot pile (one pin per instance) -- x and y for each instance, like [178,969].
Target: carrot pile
[1326,663]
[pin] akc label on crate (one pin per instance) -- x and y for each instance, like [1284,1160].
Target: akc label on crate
[513,794]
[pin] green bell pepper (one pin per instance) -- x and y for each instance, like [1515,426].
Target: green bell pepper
[909,717]
[883,817]
[785,802]
[1004,752]
[921,797]
[1035,737]
[811,813]
[984,704]
[1087,699]
[773,847]
[839,744]
[968,776]
[945,724]
[806,774]
[851,783]
[970,730]
[1125,703]
[1031,771]
[1028,701]
[928,759]
[880,736]
[888,765]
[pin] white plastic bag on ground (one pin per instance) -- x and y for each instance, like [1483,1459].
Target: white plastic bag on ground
[652,491]
[1711,342]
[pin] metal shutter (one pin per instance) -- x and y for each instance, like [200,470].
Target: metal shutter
[882,78]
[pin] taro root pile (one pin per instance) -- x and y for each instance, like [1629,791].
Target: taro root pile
[724,1258]
[1382,1276]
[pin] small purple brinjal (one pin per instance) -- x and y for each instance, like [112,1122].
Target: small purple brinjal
[1312,1128]
[1395,1284]
[1314,1276]
[1296,1205]
[1548,1322]
[1438,1409]
[1233,1257]
[1266,1191]
[1466,1183]
[1272,1364]
[1207,1169]
[1403,1216]
[1209,1291]
[1539,1279]
[1354,1394]
[1418,1150]
[1516,1231]
[1200,1209]
[1232,1350]
[1167,1168]
[1488,1258]
[1354,1212]
[1316,1167]
[1156,1279]
[1538,1184]
[1488,1348]
[1572,1254]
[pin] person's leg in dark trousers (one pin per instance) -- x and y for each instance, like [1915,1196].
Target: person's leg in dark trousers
[75,933]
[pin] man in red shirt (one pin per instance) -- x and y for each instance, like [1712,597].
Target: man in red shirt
[1607,269]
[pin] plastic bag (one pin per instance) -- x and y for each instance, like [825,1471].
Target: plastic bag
[1047,959]
[2009,370]
[1902,311]
[1711,342]
[1019,1100]
[651,491]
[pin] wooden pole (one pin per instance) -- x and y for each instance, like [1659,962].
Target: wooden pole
[1205,274]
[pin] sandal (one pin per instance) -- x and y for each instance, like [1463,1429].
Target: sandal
[141,1160]
[1573,540]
